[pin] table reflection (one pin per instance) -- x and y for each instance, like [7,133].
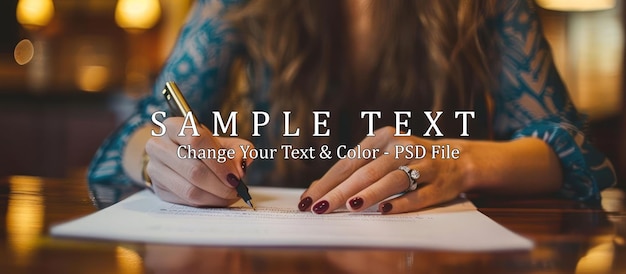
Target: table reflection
[25,216]
[568,237]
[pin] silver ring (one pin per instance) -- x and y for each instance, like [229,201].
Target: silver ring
[413,175]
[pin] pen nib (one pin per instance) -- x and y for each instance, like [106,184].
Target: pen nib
[249,202]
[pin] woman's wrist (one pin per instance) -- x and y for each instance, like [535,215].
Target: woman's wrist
[521,166]
[144,170]
[133,155]
[466,164]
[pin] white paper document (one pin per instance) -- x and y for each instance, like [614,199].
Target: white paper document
[143,217]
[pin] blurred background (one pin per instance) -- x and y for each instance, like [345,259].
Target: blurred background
[71,71]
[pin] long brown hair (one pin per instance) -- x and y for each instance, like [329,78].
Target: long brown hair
[436,52]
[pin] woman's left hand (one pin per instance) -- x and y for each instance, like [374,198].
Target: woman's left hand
[361,183]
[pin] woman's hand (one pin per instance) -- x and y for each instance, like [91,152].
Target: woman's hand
[361,183]
[525,166]
[195,182]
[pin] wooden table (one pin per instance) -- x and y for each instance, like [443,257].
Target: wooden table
[569,237]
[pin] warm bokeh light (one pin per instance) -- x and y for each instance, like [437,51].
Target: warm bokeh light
[619,240]
[612,200]
[576,5]
[92,78]
[24,51]
[24,216]
[137,14]
[588,50]
[34,13]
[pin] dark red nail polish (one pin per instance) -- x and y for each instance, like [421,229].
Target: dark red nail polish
[356,203]
[386,207]
[321,207]
[244,165]
[305,204]
[232,180]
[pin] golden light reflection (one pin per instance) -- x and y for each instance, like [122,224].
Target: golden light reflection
[24,51]
[599,259]
[25,215]
[576,5]
[137,14]
[613,200]
[619,240]
[34,13]
[128,261]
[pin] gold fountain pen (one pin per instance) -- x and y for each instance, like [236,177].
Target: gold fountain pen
[179,107]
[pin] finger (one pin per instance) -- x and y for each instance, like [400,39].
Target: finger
[172,187]
[205,141]
[433,190]
[395,182]
[192,171]
[242,160]
[427,195]
[359,180]
[167,195]
[341,170]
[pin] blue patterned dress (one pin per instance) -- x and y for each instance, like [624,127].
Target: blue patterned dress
[531,99]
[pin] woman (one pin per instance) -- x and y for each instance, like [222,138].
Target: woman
[352,56]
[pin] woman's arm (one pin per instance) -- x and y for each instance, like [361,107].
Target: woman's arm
[203,52]
[532,101]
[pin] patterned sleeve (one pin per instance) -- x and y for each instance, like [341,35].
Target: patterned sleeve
[202,53]
[532,101]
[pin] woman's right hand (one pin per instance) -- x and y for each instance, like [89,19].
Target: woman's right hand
[195,182]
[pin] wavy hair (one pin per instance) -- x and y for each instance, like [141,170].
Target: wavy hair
[436,52]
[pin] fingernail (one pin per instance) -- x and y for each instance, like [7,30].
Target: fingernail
[321,207]
[232,179]
[244,165]
[356,203]
[305,203]
[386,207]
